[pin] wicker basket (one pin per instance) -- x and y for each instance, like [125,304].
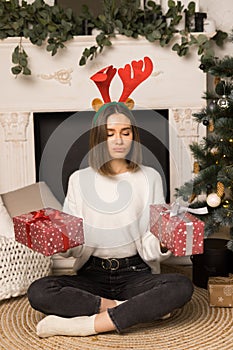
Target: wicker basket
[19,267]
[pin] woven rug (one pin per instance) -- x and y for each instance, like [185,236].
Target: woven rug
[194,327]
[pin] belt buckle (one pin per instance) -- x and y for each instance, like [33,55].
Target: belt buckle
[110,264]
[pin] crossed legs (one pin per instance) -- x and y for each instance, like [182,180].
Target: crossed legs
[83,312]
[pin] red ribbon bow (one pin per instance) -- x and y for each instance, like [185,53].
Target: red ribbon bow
[40,215]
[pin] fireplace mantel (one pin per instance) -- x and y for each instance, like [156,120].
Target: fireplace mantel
[59,84]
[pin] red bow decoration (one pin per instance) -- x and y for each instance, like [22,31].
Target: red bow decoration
[131,76]
[40,215]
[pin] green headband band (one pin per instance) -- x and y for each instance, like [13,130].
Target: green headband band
[102,108]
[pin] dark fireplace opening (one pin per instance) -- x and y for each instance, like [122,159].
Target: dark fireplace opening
[62,143]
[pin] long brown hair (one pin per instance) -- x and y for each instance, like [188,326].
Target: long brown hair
[99,157]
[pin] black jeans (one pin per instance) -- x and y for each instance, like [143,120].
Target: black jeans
[149,296]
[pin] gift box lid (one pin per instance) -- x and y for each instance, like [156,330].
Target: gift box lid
[220,280]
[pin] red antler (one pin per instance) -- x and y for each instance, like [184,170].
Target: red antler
[139,75]
[103,79]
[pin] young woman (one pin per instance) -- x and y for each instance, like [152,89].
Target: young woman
[117,282]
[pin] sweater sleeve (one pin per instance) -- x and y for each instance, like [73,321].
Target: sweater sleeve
[70,207]
[151,248]
[150,245]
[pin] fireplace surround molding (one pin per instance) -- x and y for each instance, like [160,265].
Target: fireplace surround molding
[59,84]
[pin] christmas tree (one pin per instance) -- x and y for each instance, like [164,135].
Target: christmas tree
[212,183]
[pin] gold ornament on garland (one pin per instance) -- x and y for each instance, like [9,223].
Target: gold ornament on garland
[217,80]
[211,125]
[196,167]
[214,151]
[220,189]
[192,197]
[226,204]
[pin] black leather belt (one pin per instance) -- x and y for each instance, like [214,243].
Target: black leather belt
[114,263]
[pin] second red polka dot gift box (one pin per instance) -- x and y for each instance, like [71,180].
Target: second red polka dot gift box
[183,234]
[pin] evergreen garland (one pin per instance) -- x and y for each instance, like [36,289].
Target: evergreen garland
[54,26]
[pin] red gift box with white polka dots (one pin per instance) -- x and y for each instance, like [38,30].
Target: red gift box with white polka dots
[48,231]
[182,234]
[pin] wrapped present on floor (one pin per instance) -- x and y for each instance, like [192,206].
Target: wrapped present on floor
[183,234]
[220,291]
[48,231]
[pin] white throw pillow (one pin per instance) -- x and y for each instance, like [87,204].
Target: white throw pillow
[6,223]
[19,267]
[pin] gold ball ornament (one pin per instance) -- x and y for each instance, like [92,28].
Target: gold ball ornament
[213,200]
[226,204]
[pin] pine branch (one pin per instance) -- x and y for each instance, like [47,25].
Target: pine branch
[200,116]
[223,68]
[224,216]
[225,176]
[210,227]
[203,155]
[206,176]
[185,190]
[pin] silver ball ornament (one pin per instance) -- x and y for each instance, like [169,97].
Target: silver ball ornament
[212,106]
[223,102]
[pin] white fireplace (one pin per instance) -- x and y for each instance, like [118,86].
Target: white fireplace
[59,84]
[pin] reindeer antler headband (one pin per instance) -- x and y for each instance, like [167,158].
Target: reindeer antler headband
[131,76]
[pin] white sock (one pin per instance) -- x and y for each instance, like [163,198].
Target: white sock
[119,302]
[76,326]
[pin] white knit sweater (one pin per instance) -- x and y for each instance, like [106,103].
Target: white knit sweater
[115,212]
